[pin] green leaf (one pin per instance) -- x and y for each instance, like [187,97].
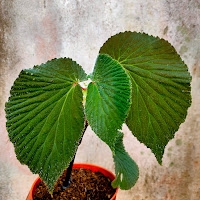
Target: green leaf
[45,117]
[160,87]
[126,169]
[108,99]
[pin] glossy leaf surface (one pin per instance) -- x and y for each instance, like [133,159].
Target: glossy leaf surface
[45,117]
[126,169]
[108,99]
[160,87]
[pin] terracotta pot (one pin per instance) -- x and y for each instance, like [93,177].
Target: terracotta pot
[94,168]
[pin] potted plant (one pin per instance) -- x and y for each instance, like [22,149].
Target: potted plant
[137,79]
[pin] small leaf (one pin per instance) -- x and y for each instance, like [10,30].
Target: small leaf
[45,117]
[126,169]
[160,87]
[108,99]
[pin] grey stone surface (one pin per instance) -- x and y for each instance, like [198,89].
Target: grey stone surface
[31,32]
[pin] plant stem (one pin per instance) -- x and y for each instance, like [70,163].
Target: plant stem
[67,181]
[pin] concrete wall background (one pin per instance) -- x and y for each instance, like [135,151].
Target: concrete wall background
[31,32]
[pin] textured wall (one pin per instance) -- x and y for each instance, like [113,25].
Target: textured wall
[31,32]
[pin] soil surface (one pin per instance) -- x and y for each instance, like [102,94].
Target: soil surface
[85,185]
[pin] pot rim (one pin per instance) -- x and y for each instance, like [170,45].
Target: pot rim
[94,168]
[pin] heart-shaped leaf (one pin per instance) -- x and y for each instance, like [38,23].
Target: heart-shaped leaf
[160,87]
[126,169]
[45,117]
[108,99]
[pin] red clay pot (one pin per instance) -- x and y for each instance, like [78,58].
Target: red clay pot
[94,168]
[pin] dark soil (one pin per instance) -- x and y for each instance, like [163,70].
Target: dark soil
[85,185]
